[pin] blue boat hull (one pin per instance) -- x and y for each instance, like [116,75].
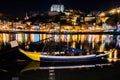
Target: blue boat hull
[74,58]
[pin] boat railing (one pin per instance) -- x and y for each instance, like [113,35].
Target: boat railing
[53,53]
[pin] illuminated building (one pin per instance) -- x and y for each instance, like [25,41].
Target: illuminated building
[57,7]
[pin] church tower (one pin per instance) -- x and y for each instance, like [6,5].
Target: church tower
[26,16]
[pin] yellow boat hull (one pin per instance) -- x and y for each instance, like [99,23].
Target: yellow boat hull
[32,55]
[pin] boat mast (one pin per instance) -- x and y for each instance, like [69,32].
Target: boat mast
[59,2]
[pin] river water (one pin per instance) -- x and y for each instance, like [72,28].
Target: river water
[16,66]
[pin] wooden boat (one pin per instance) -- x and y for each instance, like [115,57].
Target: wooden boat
[42,56]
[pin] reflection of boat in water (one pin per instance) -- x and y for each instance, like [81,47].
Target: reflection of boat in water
[55,71]
[31,66]
[57,57]
[43,66]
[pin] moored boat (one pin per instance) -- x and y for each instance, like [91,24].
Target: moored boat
[57,57]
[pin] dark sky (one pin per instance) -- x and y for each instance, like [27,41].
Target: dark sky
[20,7]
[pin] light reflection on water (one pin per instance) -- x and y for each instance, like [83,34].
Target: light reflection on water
[85,41]
[36,71]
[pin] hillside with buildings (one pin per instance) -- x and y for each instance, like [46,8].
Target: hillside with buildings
[61,19]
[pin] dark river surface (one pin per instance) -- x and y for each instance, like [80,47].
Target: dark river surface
[16,66]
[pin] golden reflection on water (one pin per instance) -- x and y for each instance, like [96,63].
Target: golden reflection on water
[91,40]
[113,56]
[19,38]
[82,38]
[73,44]
[5,38]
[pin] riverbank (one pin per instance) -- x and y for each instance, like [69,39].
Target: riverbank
[57,32]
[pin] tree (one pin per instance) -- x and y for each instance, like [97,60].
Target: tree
[113,20]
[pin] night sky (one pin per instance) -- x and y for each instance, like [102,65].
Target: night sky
[20,7]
